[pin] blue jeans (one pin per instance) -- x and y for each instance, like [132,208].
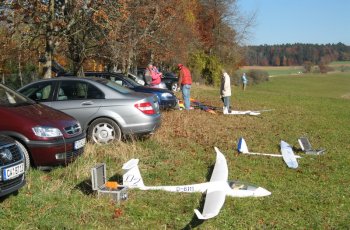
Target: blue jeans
[186,94]
[226,101]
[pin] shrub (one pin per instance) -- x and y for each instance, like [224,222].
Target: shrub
[254,77]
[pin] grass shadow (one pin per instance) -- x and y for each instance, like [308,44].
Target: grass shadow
[85,187]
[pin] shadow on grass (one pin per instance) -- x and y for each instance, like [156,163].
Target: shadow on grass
[7,196]
[85,187]
[195,222]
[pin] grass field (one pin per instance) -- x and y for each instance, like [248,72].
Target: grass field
[276,70]
[339,66]
[314,196]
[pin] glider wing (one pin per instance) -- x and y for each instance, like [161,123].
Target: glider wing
[214,201]
[220,172]
[288,155]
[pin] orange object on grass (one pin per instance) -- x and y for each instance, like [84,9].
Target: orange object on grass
[112,184]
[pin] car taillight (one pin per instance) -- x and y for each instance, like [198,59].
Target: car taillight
[146,108]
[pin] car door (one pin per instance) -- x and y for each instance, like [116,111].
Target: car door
[79,99]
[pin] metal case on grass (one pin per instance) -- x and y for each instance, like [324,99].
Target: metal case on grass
[98,181]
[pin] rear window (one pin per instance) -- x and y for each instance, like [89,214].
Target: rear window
[117,87]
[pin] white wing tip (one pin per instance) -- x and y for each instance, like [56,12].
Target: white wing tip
[205,217]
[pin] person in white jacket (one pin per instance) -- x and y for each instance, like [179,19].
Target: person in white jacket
[225,91]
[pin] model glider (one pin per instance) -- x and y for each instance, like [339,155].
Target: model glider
[247,112]
[216,189]
[243,148]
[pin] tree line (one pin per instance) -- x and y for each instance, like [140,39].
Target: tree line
[296,54]
[120,34]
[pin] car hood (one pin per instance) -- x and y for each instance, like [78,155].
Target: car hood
[37,114]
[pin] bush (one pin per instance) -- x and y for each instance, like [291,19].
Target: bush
[254,77]
[205,69]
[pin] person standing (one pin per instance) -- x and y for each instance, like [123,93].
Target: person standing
[148,75]
[225,91]
[244,81]
[185,81]
[156,77]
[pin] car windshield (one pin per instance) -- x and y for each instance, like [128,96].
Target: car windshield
[115,86]
[10,98]
[131,81]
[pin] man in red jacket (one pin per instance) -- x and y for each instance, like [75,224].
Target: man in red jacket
[185,81]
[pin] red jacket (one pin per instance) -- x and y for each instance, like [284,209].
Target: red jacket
[156,76]
[185,76]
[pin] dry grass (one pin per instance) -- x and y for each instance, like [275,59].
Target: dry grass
[181,152]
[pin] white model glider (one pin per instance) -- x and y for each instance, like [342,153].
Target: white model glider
[247,112]
[216,189]
[243,148]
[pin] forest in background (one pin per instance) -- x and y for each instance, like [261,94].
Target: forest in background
[296,54]
[120,35]
[81,35]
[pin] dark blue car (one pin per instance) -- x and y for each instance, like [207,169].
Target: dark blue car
[167,99]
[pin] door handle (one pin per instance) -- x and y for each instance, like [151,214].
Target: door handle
[87,103]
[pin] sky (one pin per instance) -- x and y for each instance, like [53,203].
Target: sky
[297,21]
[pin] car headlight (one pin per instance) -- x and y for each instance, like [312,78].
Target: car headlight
[166,95]
[42,131]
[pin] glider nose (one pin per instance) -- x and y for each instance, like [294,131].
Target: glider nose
[261,192]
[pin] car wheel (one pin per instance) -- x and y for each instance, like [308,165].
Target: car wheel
[103,131]
[174,86]
[26,155]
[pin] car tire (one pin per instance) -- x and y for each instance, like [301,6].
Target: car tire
[104,131]
[174,86]
[26,156]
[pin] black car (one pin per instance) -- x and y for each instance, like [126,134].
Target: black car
[12,166]
[166,98]
[168,78]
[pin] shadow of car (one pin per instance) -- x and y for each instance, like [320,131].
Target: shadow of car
[166,98]
[106,110]
[47,137]
[12,166]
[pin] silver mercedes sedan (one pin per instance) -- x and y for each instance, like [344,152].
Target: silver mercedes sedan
[106,110]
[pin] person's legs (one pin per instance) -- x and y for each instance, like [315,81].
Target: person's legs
[186,94]
[226,105]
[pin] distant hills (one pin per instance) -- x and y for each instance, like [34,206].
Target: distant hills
[296,54]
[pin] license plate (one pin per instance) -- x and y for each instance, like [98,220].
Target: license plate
[79,144]
[13,171]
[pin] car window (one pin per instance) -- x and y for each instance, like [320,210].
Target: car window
[9,98]
[113,85]
[78,90]
[39,92]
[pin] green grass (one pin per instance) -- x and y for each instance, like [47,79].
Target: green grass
[276,70]
[314,196]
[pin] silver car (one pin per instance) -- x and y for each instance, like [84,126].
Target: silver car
[106,110]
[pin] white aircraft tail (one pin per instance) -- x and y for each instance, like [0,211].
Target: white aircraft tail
[132,176]
[243,148]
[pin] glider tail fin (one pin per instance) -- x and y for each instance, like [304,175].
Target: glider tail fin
[242,146]
[132,176]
